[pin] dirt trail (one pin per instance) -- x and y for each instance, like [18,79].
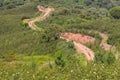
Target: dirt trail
[79,47]
[78,41]
[46,12]
[104,43]
[83,49]
[77,37]
[107,46]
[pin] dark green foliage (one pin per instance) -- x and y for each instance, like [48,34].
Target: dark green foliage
[9,4]
[25,17]
[76,1]
[109,58]
[115,12]
[99,57]
[105,57]
[64,52]
[60,61]
[100,3]
[106,3]
[88,2]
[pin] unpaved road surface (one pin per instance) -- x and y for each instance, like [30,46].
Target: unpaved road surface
[107,46]
[76,38]
[46,12]
[83,49]
[104,43]
[79,40]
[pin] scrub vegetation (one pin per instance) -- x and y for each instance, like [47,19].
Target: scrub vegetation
[26,54]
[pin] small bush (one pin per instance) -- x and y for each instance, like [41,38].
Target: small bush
[60,60]
[109,58]
[106,58]
[115,12]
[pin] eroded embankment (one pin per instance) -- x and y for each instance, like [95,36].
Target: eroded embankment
[79,40]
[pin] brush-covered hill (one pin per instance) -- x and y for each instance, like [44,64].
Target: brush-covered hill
[42,55]
[72,15]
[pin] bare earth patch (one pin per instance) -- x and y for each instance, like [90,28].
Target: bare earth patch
[79,40]
[46,12]
[77,37]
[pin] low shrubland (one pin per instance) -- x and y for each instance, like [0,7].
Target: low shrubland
[26,54]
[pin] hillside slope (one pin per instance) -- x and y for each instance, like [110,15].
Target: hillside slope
[42,55]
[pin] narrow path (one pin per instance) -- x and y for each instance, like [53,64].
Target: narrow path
[83,49]
[46,12]
[104,43]
[107,46]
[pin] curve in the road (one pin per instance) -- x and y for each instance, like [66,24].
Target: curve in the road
[106,46]
[79,47]
[79,40]
[46,11]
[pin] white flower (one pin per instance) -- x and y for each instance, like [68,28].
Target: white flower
[46,77]
[71,71]
[28,72]
[33,76]
[13,74]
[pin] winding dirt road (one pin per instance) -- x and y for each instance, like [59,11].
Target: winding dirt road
[107,46]
[83,49]
[46,12]
[79,47]
[104,43]
[78,39]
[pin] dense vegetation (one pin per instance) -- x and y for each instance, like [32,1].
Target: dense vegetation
[26,54]
[115,12]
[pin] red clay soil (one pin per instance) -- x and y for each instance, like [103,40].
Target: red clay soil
[79,40]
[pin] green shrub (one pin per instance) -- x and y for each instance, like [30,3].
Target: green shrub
[109,58]
[99,57]
[60,60]
[105,57]
[115,12]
